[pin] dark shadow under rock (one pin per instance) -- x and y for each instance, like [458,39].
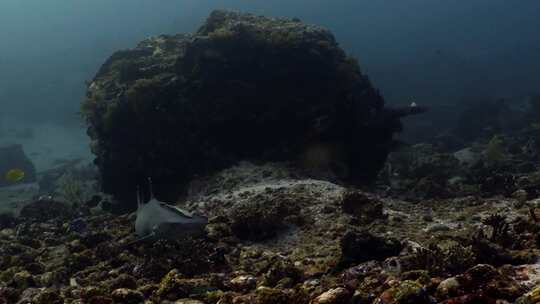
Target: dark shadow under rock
[358,247]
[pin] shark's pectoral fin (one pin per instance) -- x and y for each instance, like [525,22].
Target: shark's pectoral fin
[142,239]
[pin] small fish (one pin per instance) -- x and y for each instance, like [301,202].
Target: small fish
[14,175]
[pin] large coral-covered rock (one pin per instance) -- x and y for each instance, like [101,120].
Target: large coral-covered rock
[241,87]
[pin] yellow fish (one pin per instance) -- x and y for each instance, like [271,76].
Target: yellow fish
[14,175]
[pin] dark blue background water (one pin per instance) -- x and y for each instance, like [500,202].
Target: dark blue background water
[436,51]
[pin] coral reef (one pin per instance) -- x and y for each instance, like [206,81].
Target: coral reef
[313,243]
[503,164]
[243,87]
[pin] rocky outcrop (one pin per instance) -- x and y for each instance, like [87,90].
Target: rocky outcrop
[243,87]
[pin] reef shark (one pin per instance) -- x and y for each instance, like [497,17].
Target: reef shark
[159,220]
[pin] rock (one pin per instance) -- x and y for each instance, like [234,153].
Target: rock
[532,297]
[338,295]
[499,183]
[48,296]
[406,292]
[531,184]
[475,298]
[427,217]
[467,157]
[437,227]
[23,280]
[8,295]
[521,196]
[218,231]
[493,283]
[101,300]
[28,295]
[77,226]
[266,295]
[123,281]
[76,246]
[353,276]
[425,160]
[13,157]
[358,247]
[45,209]
[127,296]
[243,283]
[47,279]
[174,286]
[448,288]
[361,206]
[188,301]
[282,272]
[185,105]
[35,268]
[430,187]
[260,220]
[424,171]
[90,292]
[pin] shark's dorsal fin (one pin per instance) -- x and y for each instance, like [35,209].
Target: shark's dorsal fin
[150,187]
[157,219]
[139,200]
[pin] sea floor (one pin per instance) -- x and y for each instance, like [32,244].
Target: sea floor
[278,236]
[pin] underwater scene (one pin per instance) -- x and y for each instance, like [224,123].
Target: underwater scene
[268,152]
